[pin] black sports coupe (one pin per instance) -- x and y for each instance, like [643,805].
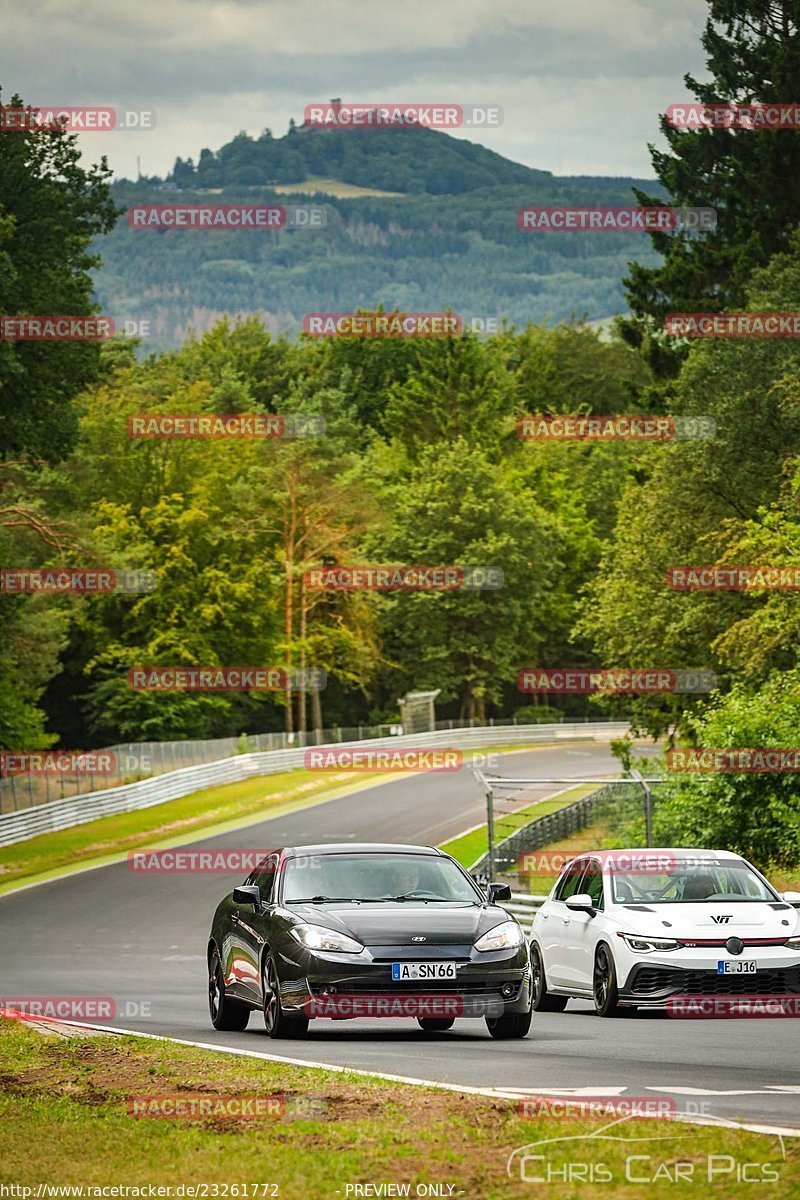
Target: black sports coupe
[367,930]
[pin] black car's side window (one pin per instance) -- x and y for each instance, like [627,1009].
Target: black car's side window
[569,881]
[266,883]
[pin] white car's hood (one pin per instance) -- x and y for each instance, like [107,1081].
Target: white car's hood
[715,920]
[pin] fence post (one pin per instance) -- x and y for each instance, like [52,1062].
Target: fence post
[648,808]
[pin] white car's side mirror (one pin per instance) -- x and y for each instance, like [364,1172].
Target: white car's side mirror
[792,898]
[581,903]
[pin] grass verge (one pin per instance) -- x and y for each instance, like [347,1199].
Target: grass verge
[468,847]
[64,1121]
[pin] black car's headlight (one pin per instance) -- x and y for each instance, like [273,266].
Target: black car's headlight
[646,944]
[503,937]
[317,937]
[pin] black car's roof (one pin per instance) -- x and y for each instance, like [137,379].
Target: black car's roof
[360,848]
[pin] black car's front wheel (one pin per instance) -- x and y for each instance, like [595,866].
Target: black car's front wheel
[436,1024]
[225,1012]
[278,1024]
[510,1025]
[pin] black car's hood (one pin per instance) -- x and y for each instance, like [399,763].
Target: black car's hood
[397,923]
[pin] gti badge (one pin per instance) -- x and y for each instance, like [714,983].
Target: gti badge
[418,938]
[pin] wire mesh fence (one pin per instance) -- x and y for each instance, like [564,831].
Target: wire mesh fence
[130,762]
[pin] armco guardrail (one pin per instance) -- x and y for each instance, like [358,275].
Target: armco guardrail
[78,810]
[523,907]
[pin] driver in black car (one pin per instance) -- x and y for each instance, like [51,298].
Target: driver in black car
[406,878]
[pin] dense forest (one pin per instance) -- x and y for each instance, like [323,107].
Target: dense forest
[444,235]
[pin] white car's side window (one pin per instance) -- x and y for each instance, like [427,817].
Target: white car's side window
[568,884]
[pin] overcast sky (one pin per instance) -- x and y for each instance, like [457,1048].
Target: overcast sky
[581,82]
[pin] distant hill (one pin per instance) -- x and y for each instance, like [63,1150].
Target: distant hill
[448,240]
[414,161]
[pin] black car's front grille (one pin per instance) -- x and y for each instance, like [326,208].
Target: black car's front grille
[655,980]
[441,987]
[388,954]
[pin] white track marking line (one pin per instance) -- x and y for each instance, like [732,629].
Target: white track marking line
[492,1093]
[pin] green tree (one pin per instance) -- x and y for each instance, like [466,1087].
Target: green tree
[50,210]
[751,178]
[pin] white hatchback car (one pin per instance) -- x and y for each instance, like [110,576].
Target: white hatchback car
[638,928]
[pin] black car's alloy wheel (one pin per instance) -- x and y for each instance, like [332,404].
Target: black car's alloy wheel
[543,1001]
[604,984]
[277,1023]
[225,1013]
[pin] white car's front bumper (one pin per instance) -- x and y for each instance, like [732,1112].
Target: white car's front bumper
[651,980]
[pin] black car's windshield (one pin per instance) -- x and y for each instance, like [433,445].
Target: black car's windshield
[377,877]
[691,882]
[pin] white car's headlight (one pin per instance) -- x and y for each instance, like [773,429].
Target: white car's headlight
[793,943]
[316,937]
[645,944]
[502,937]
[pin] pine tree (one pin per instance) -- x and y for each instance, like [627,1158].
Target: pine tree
[751,177]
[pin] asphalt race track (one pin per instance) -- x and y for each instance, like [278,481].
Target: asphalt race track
[141,939]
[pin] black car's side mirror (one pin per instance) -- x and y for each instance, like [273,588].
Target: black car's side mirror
[498,891]
[247,893]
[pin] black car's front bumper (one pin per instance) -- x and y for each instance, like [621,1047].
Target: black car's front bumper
[486,985]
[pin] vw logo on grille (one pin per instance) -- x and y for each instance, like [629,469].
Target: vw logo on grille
[734,945]
[418,938]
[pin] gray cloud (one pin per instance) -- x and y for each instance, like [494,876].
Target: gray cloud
[581,82]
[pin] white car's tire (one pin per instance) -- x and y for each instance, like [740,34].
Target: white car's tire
[604,983]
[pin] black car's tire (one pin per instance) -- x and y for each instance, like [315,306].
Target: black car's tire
[543,1001]
[604,983]
[277,1023]
[510,1025]
[225,1012]
[436,1024]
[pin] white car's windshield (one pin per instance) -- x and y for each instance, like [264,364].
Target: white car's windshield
[377,877]
[691,882]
